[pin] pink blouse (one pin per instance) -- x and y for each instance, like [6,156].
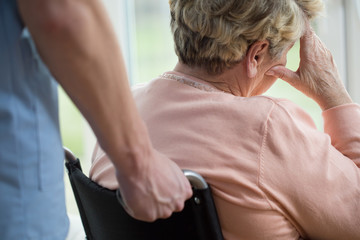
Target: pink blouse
[273,174]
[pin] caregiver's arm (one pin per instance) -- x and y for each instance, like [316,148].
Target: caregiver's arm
[77,43]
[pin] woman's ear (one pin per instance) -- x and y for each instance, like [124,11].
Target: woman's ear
[255,56]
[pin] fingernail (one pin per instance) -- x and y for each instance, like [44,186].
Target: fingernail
[270,73]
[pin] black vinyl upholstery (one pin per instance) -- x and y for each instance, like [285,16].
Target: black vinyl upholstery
[104,218]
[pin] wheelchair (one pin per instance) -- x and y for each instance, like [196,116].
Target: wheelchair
[104,218]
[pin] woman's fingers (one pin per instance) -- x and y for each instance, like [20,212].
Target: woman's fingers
[285,74]
[317,75]
[307,42]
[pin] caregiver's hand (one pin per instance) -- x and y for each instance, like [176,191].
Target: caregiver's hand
[156,190]
[317,75]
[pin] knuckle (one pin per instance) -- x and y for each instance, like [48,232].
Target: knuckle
[148,217]
[151,218]
[179,206]
[142,214]
[281,74]
[167,213]
[189,193]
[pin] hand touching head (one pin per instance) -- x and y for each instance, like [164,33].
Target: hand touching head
[317,75]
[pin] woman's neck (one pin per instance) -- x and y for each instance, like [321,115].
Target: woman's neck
[232,81]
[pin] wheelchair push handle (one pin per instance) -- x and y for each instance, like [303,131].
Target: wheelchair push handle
[195,179]
[69,156]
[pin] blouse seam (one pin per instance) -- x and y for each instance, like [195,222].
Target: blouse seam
[261,157]
[261,160]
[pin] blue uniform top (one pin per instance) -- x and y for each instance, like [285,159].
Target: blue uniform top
[32,198]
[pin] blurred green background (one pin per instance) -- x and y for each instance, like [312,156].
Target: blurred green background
[155,55]
[71,124]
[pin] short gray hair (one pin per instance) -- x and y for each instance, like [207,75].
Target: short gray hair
[216,34]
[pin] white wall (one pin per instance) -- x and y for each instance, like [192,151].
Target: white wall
[122,15]
[340,31]
[332,30]
[352,20]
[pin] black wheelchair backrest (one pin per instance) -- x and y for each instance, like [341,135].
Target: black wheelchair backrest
[104,218]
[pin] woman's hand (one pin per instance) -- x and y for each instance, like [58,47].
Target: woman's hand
[317,76]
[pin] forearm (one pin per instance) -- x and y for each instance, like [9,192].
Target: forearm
[342,124]
[77,43]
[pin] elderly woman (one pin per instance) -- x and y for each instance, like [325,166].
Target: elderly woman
[273,174]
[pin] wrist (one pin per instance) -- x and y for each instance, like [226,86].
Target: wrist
[327,102]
